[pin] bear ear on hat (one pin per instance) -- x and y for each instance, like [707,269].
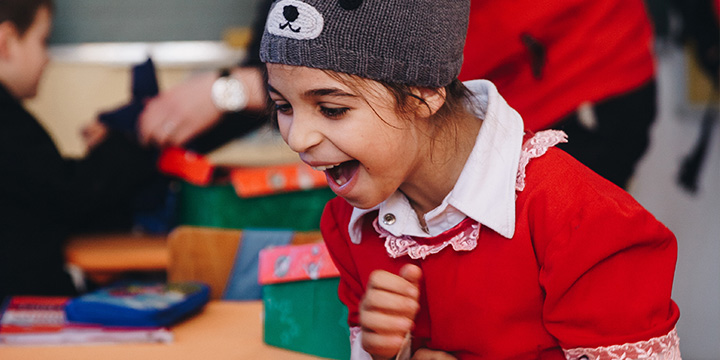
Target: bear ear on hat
[350,4]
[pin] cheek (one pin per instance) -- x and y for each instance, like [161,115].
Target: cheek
[284,122]
[44,56]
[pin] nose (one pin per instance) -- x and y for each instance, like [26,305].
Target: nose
[290,12]
[302,134]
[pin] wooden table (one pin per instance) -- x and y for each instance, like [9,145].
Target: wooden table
[105,257]
[223,330]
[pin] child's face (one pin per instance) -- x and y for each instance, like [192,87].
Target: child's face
[28,56]
[367,150]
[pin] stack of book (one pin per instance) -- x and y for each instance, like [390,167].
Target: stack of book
[118,314]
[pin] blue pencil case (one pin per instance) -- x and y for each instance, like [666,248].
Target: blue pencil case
[139,304]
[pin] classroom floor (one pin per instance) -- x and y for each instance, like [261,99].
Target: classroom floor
[695,219]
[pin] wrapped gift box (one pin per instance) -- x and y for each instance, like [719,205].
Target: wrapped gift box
[288,196]
[218,205]
[302,309]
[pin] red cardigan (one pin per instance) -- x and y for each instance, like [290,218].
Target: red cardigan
[592,50]
[587,267]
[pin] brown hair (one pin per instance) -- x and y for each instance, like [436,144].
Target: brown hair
[457,98]
[22,12]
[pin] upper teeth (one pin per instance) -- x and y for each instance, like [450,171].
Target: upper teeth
[324,167]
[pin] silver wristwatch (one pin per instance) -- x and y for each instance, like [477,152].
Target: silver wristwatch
[228,93]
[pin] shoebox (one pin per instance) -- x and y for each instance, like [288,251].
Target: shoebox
[287,195]
[302,311]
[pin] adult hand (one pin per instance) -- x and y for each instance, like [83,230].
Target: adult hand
[388,309]
[185,111]
[180,113]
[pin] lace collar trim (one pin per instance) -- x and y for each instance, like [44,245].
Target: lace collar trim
[463,237]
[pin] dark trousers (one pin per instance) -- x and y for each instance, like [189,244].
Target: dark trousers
[611,136]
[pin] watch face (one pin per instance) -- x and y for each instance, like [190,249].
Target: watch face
[228,94]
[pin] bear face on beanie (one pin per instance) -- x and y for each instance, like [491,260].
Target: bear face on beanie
[411,42]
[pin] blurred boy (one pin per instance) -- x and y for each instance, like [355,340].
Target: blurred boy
[44,197]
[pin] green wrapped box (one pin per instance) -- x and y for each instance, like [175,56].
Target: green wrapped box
[219,205]
[301,305]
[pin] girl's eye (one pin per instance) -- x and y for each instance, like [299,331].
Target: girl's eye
[332,112]
[283,108]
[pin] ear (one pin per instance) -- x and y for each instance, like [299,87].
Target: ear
[7,33]
[434,100]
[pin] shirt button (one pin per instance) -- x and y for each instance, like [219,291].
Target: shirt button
[388,219]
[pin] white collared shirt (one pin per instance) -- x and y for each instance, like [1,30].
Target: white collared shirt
[485,190]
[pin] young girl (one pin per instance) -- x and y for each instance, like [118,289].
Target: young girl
[456,233]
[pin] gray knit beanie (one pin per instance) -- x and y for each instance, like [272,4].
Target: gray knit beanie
[411,42]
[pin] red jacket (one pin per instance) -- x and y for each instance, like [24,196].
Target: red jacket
[582,50]
[587,267]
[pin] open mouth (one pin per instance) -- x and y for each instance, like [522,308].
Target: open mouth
[340,173]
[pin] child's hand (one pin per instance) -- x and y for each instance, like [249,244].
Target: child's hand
[427,354]
[93,134]
[387,311]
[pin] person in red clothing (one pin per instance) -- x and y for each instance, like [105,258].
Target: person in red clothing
[586,67]
[458,233]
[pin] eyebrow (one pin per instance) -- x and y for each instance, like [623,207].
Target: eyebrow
[272,89]
[328,92]
[318,92]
